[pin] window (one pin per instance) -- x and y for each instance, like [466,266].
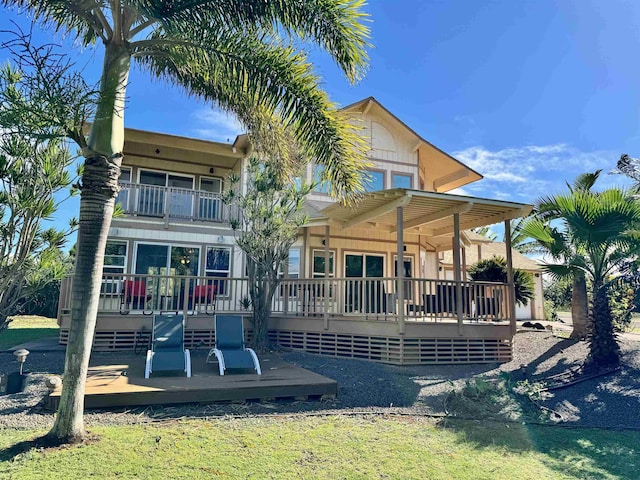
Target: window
[218,264]
[318,263]
[209,202]
[293,270]
[115,257]
[321,186]
[400,180]
[294,263]
[115,264]
[123,195]
[375,181]
[212,185]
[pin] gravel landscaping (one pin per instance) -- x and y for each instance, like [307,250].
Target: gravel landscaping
[611,401]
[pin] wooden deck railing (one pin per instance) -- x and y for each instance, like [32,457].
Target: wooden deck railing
[368,298]
[172,203]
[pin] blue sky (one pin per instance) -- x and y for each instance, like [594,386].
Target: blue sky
[529,93]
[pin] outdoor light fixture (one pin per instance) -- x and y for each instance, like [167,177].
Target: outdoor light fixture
[21,357]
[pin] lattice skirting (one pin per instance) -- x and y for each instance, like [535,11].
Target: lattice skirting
[393,350]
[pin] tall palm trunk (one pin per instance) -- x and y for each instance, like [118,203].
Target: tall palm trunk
[604,350]
[580,307]
[99,189]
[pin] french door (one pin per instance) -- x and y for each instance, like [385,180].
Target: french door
[363,293]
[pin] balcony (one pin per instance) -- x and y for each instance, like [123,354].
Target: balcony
[172,203]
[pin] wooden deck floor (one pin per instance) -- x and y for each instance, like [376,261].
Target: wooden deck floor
[123,384]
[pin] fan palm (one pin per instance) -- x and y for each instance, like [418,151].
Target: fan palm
[596,234]
[546,209]
[242,55]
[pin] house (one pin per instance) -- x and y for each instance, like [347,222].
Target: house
[482,248]
[342,293]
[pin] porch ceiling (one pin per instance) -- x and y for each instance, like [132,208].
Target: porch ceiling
[427,213]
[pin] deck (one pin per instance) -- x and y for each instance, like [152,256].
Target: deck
[123,384]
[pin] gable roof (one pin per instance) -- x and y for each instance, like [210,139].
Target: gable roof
[364,105]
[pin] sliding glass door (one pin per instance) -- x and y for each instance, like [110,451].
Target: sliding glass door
[154,188]
[168,261]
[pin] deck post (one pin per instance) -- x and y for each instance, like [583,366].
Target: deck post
[456,269]
[327,256]
[400,269]
[510,281]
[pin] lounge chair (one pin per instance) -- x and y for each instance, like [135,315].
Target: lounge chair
[167,352]
[229,348]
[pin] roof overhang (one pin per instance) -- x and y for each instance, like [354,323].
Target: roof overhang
[425,213]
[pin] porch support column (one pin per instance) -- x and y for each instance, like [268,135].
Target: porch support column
[400,269]
[464,263]
[327,256]
[457,276]
[510,281]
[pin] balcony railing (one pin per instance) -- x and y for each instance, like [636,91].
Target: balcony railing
[172,203]
[368,298]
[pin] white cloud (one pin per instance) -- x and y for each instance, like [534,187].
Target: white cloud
[460,191]
[528,172]
[216,125]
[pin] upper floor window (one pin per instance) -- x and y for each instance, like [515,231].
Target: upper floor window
[375,181]
[210,184]
[400,180]
[123,194]
[321,186]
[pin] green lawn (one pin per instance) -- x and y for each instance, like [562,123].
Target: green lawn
[345,447]
[25,328]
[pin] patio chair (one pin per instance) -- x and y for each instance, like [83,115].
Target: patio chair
[167,352]
[134,294]
[229,348]
[204,295]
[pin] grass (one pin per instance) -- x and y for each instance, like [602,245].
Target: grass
[353,447]
[25,328]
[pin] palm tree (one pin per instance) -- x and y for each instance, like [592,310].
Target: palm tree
[520,240]
[546,209]
[494,269]
[594,233]
[242,55]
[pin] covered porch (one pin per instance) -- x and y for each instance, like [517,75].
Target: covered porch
[394,318]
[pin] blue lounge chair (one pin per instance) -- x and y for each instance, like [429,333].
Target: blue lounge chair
[167,352]
[229,348]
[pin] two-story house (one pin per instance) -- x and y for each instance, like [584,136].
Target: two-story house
[342,293]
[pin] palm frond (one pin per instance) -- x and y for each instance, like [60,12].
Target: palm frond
[246,75]
[338,26]
[80,16]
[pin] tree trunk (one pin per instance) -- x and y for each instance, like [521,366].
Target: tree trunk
[580,307]
[263,288]
[604,350]
[98,191]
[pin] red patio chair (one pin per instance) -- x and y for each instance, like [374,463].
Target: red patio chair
[134,292]
[204,294]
